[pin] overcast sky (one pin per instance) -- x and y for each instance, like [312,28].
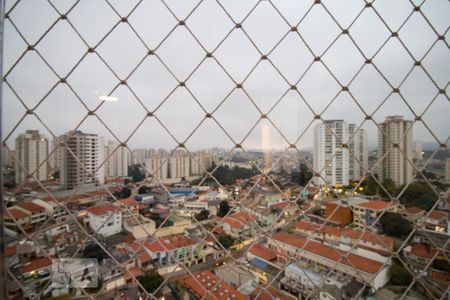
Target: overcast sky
[122,50]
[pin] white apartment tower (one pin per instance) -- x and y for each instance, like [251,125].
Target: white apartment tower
[179,166]
[395,149]
[32,155]
[358,152]
[331,161]
[81,158]
[117,160]
[157,166]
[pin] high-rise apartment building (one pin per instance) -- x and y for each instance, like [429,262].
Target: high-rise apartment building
[395,149]
[141,154]
[199,162]
[32,156]
[157,166]
[417,150]
[81,159]
[331,160]
[179,165]
[358,152]
[117,158]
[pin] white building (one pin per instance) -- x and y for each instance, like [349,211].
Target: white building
[417,150]
[105,219]
[179,166]
[81,165]
[358,152]
[330,160]
[141,154]
[395,149]
[157,166]
[117,160]
[32,155]
[200,162]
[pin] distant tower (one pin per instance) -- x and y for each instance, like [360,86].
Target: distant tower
[117,160]
[358,152]
[417,150]
[395,149]
[84,158]
[330,159]
[32,155]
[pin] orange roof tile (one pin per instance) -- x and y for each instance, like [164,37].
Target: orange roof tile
[16,213]
[331,253]
[31,207]
[271,293]
[377,204]
[100,210]
[36,264]
[169,243]
[438,214]
[204,281]
[136,272]
[421,250]
[263,252]
[413,210]
[128,202]
[10,250]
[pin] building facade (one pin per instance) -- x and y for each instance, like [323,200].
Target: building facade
[358,152]
[81,159]
[32,156]
[330,159]
[395,153]
[117,160]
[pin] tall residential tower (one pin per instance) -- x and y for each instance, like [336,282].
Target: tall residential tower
[32,156]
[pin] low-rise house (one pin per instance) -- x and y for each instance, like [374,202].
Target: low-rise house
[169,250]
[413,213]
[16,219]
[377,243]
[437,220]
[366,212]
[129,208]
[205,285]
[346,264]
[38,214]
[239,225]
[54,210]
[105,219]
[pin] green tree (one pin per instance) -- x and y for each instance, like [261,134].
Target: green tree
[395,225]
[399,275]
[419,194]
[226,241]
[136,173]
[202,215]
[442,264]
[224,208]
[144,190]
[151,281]
[123,193]
[390,188]
[94,251]
[303,176]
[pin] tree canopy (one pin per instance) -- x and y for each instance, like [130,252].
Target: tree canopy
[303,176]
[224,208]
[226,175]
[395,225]
[136,173]
[151,281]
[123,193]
[202,215]
[226,241]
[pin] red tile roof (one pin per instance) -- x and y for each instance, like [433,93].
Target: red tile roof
[384,241]
[36,264]
[239,219]
[31,207]
[377,204]
[207,281]
[169,242]
[100,210]
[263,252]
[413,210]
[438,214]
[136,272]
[331,253]
[128,202]
[271,293]
[16,213]
[421,250]
[10,250]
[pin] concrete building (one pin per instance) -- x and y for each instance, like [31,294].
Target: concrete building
[82,164]
[395,149]
[157,166]
[179,166]
[366,212]
[117,160]
[417,150]
[330,160]
[140,155]
[358,152]
[105,219]
[32,156]
[7,158]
